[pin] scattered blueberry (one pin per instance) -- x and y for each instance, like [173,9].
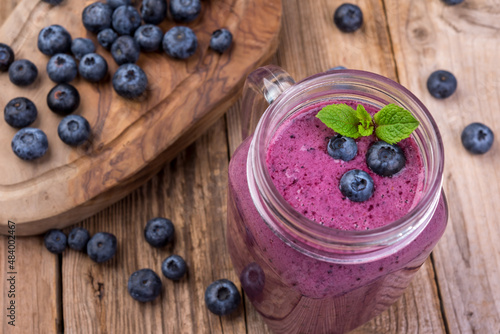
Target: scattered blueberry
[130,81]
[144,285]
[441,84]
[477,138]
[93,67]
[54,39]
[61,68]
[20,112]
[356,185]
[6,57]
[252,280]
[101,247]
[81,46]
[344,148]
[97,17]
[221,40]
[55,241]
[153,11]
[385,159]
[117,3]
[30,143]
[185,10]
[159,232]
[125,50]
[348,17]
[126,19]
[336,68]
[63,99]
[222,297]
[174,267]
[106,37]
[452,2]
[22,72]
[180,42]
[53,2]
[78,239]
[148,37]
[74,130]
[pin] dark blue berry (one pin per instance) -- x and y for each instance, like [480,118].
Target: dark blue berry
[63,99]
[441,84]
[148,37]
[53,2]
[93,67]
[6,57]
[61,68]
[126,19]
[477,138]
[106,38]
[180,42]
[221,40]
[452,2]
[82,46]
[74,130]
[144,285]
[117,3]
[78,239]
[130,81]
[54,39]
[97,17]
[252,280]
[336,68]
[22,72]
[153,11]
[159,232]
[55,241]
[101,247]
[125,50]
[356,185]
[20,112]
[174,267]
[30,143]
[185,10]
[348,17]
[343,148]
[222,297]
[385,159]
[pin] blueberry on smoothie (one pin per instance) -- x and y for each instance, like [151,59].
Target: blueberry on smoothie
[356,185]
[22,72]
[174,267]
[126,19]
[222,297]
[130,81]
[54,39]
[180,42]
[159,232]
[348,17]
[148,37]
[343,148]
[93,67]
[101,247]
[74,130]
[253,279]
[63,99]
[385,159]
[82,46]
[117,3]
[30,143]
[106,37]
[125,50]
[55,241]
[61,68]
[477,138]
[153,11]
[441,84]
[452,2]
[53,2]
[78,238]
[97,17]
[144,285]
[221,40]
[20,112]
[185,10]
[6,57]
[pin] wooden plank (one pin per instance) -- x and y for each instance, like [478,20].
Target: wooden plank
[463,39]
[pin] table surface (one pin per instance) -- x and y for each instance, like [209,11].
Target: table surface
[456,291]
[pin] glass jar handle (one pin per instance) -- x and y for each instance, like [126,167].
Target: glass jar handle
[261,88]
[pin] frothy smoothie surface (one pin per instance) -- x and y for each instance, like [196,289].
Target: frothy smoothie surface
[308,178]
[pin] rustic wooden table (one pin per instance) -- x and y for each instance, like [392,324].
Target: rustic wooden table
[456,291]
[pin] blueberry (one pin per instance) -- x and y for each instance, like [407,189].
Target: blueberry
[159,232]
[22,72]
[54,39]
[130,81]
[61,68]
[63,99]
[185,10]
[78,239]
[97,17]
[356,185]
[117,3]
[477,138]
[385,159]
[452,2]
[441,84]
[82,46]
[174,267]
[126,19]
[148,37]
[30,143]
[53,2]
[6,57]
[336,68]
[344,148]
[144,285]
[222,297]
[74,130]
[20,112]
[348,17]
[55,241]
[93,67]
[101,247]
[153,11]
[125,50]
[106,37]
[252,280]
[180,42]
[221,40]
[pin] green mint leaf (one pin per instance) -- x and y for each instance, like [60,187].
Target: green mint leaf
[341,118]
[394,123]
[366,126]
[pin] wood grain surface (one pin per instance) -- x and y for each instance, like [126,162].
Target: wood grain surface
[456,291]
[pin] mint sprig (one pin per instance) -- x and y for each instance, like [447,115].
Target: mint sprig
[392,123]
